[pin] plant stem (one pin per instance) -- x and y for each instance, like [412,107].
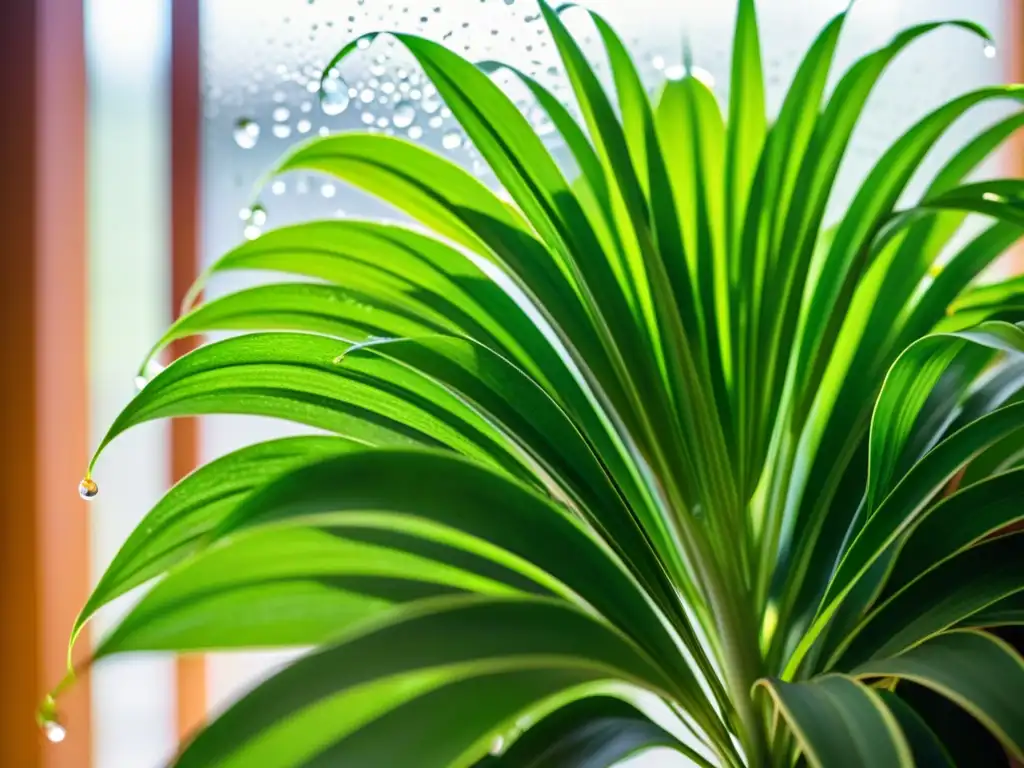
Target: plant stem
[741,659]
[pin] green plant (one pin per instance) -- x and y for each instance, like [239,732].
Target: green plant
[654,442]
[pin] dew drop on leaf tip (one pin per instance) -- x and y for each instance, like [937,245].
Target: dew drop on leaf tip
[54,731]
[88,489]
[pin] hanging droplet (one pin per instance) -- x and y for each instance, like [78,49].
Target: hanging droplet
[404,115]
[451,140]
[246,133]
[334,98]
[258,215]
[54,731]
[148,372]
[989,50]
[88,489]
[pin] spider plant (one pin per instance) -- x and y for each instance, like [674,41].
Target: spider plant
[652,457]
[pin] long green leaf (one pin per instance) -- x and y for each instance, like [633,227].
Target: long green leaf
[840,722]
[176,527]
[981,674]
[306,709]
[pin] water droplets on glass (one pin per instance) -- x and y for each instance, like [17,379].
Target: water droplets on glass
[88,489]
[246,133]
[451,140]
[334,95]
[405,114]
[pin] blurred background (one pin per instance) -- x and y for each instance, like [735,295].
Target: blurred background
[134,137]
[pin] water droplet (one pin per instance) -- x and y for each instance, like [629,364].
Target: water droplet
[246,133]
[383,122]
[312,86]
[279,96]
[675,72]
[282,130]
[451,140]
[141,382]
[658,62]
[281,114]
[334,96]
[415,132]
[55,732]
[278,187]
[498,745]
[436,121]
[251,232]
[258,215]
[431,103]
[305,106]
[244,213]
[388,87]
[405,113]
[88,489]
[328,190]
[363,44]
[367,118]
[366,95]
[303,126]
[989,50]
[699,73]
[323,130]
